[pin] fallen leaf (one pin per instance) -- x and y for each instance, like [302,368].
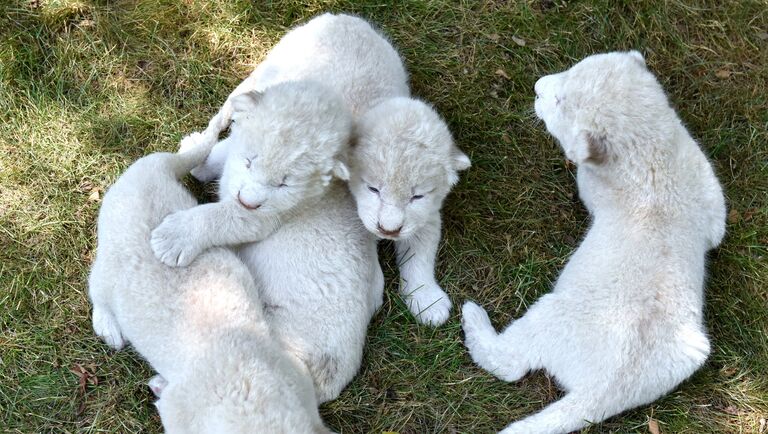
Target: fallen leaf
[734,216]
[501,73]
[94,196]
[723,73]
[519,41]
[84,377]
[653,426]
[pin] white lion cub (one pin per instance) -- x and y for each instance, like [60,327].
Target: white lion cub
[315,264]
[286,144]
[202,327]
[404,162]
[623,325]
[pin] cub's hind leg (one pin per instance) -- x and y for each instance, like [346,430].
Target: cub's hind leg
[104,322]
[504,355]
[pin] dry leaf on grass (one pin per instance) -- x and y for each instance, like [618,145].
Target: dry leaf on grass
[95,195]
[501,73]
[723,73]
[653,426]
[519,41]
[734,216]
[84,376]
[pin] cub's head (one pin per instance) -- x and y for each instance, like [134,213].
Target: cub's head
[604,108]
[288,143]
[403,165]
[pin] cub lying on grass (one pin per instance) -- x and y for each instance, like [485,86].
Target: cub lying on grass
[287,143]
[404,162]
[316,267]
[202,327]
[623,325]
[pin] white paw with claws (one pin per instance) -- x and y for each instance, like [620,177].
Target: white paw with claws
[173,243]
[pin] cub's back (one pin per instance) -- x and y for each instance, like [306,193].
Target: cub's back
[341,51]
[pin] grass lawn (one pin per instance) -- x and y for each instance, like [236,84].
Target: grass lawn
[86,87]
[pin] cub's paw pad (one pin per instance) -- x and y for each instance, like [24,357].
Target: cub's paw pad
[157,384]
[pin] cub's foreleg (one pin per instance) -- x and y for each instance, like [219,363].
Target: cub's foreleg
[416,259]
[183,235]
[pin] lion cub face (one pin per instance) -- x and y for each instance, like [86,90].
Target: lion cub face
[288,142]
[403,165]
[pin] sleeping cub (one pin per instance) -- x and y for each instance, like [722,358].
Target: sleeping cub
[404,161]
[314,263]
[203,327]
[623,325]
[286,144]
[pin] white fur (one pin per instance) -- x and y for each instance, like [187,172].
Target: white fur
[320,278]
[202,327]
[403,149]
[623,325]
[285,146]
[316,267]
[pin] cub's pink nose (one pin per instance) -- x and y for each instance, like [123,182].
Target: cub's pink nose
[246,204]
[388,233]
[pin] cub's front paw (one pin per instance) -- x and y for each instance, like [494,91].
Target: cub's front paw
[429,304]
[172,242]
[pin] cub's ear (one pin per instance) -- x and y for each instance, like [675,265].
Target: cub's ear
[245,102]
[637,56]
[459,160]
[340,170]
[589,149]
